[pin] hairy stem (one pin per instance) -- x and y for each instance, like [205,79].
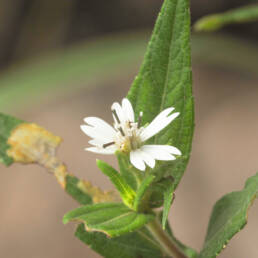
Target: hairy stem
[169,246]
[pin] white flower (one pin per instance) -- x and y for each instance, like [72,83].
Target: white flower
[128,136]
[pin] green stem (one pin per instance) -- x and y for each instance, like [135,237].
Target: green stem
[169,246]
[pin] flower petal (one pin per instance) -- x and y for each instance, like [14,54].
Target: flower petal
[97,142]
[100,124]
[101,150]
[147,158]
[136,160]
[158,152]
[171,149]
[120,113]
[159,122]
[128,110]
[98,134]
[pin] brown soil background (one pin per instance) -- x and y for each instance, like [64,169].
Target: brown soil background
[224,155]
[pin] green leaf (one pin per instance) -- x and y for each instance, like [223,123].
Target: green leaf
[73,190]
[215,22]
[7,125]
[126,192]
[165,80]
[228,217]
[136,244]
[113,219]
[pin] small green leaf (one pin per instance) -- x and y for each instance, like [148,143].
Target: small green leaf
[73,190]
[141,192]
[132,245]
[126,192]
[168,199]
[215,22]
[165,80]
[113,219]
[7,125]
[228,217]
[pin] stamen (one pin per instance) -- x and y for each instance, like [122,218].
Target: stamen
[108,144]
[121,131]
[116,116]
[139,120]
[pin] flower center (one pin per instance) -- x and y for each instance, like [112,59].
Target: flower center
[128,134]
[127,137]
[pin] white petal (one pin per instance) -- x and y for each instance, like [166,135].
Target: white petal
[159,122]
[119,111]
[147,158]
[128,109]
[101,150]
[99,134]
[136,160]
[97,142]
[158,152]
[100,124]
[164,113]
[171,149]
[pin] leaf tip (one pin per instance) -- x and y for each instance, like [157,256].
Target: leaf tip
[208,23]
[65,219]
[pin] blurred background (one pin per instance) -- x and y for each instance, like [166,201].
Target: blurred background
[63,60]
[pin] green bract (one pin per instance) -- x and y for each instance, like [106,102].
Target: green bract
[126,192]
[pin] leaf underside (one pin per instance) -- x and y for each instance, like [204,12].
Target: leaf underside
[132,245]
[113,219]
